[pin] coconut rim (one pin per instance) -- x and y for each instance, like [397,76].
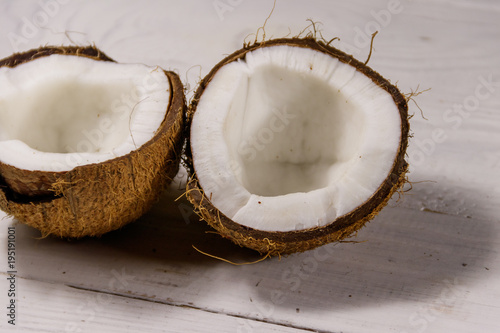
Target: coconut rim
[363,211]
[175,110]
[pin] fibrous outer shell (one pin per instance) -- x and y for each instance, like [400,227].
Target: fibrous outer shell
[92,199]
[247,224]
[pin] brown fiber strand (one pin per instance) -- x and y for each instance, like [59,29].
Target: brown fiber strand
[371,47]
[263,28]
[229,261]
[411,97]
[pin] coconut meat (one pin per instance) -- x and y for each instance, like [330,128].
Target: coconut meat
[59,112]
[290,138]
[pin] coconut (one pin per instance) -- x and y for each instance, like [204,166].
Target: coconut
[294,144]
[86,144]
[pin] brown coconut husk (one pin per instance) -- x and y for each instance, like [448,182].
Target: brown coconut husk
[278,243]
[93,199]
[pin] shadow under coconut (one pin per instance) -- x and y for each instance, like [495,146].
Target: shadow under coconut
[404,255]
[160,241]
[171,231]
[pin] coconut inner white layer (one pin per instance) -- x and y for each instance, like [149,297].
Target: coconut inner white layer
[291,139]
[59,112]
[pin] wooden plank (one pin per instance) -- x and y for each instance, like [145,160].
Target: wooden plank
[411,262]
[47,307]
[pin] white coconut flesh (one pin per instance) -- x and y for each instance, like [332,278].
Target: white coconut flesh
[59,112]
[290,139]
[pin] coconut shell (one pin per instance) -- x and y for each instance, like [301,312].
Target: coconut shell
[93,199]
[278,243]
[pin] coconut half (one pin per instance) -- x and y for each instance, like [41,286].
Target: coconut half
[86,144]
[294,144]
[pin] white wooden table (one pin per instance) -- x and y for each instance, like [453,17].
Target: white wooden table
[428,263]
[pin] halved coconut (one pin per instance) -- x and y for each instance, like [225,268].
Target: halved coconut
[294,144]
[86,144]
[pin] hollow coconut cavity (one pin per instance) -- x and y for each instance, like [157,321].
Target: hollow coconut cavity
[294,144]
[86,144]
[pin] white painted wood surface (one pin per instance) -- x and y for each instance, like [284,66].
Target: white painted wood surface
[428,263]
